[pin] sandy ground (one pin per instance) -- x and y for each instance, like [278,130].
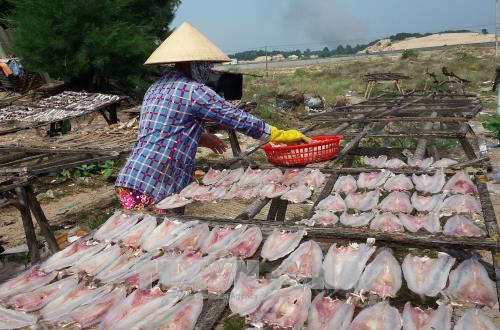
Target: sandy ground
[435,40]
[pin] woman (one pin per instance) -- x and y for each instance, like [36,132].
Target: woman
[171,121]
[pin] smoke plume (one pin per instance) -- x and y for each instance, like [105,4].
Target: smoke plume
[326,21]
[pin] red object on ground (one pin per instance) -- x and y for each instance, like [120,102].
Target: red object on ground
[321,149]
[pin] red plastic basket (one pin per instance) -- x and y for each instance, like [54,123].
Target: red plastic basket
[321,149]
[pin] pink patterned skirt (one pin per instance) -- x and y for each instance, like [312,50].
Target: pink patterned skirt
[132,200]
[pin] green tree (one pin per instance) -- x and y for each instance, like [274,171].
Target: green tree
[90,42]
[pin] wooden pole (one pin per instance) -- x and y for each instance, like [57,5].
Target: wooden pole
[29,229]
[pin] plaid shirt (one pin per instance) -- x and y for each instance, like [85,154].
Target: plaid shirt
[171,124]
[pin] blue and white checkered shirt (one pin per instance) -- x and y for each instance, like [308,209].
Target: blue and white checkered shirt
[171,124]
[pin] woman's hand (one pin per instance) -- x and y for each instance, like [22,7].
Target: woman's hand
[213,142]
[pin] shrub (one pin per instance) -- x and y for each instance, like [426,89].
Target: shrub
[409,53]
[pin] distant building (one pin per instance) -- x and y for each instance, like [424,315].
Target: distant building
[263,59]
[293,57]
[314,56]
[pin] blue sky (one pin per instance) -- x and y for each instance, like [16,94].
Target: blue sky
[236,25]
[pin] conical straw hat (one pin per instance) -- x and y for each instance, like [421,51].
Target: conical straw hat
[186,44]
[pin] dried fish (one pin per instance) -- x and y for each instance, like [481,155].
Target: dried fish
[304,262]
[326,313]
[460,204]
[382,276]
[380,316]
[280,243]
[429,183]
[362,201]
[214,176]
[378,162]
[460,183]
[444,162]
[372,180]
[165,234]
[427,203]
[398,182]
[36,299]
[11,319]
[356,220]
[273,190]
[415,318]
[116,225]
[345,184]
[232,177]
[246,243]
[469,283]
[427,276]
[218,242]
[332,203]
[459,226]
[216,277]
[286,308]
[344,265]
[139,232]
[173,201]
[387,222]
[248,293]
[395,163]
[298,194]
[322,218]
[192,238]
[475,319]
[414,223]
[79,250]
[27,281]
[397,201]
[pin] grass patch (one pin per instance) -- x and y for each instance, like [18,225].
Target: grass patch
[234,323]
[409,53]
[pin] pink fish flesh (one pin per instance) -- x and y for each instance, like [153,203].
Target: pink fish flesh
[395,163]
[273,176]
[214,194]
[165,234]
[459,226]
[249,292]
[219,239]
[380,316]
[460,204]
[332,203]
[382,276]
[460,183]
[173,202]
[322,218]
[427,203]
[192,238]
[427,276]
[304,262]
[345,184]
[421,163]
[182,269]
[290,175]
[146,272]
[243,192]
[182,316]
[397,201]
[287,308]
[79,250]
[139,232]
[398,182]
[246,243]
[378,162]
[295,177]
[138,305]
[343,265]
[314,179]
[280,243]
[326,313]
[414,223]
[273,190]
[475,319]
[214,176]
[362,201]
[217,277]
[298,194]
[387,222]
[65,303]
[372,180]
[193,190]
[232,177]
[36,299]
[444,162]
[415,318]
[94,312]
[469,283]
[356,220]
[429,183]
[11,319]
[250,178]
[119,268]
[117,224]
[27,281]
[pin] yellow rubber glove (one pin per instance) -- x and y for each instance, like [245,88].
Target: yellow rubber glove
[288,136]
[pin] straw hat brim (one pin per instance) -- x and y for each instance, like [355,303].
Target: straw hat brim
[187,44]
